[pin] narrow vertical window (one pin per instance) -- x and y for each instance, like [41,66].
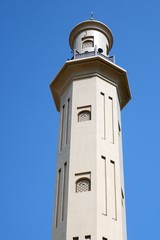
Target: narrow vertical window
[103,238]
[75,238]
[62,127]
[104,186]
[102,115]
[67,125]
[58,196]
[64,189]
[113,191]
[111,121]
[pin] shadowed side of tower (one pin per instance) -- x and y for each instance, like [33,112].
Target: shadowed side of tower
[89,92]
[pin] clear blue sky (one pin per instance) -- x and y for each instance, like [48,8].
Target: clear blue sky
[33,48]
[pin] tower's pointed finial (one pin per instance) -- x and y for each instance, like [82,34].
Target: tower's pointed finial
[91,16]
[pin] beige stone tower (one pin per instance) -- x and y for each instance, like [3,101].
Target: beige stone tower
[89,92]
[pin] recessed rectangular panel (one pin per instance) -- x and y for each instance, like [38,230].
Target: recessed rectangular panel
[64,189]
[102,115]
[67,119]
[62,127]
[58,197]
[113,191]
[110,120]
[104,186]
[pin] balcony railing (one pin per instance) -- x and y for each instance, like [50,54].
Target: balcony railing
[77,55]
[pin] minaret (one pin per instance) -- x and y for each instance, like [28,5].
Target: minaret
[89,92]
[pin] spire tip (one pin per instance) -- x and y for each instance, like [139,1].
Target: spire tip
[91,16]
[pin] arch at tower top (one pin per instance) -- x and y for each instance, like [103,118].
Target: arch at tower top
[90,35]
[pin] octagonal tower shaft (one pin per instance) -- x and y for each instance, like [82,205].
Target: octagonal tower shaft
[89,92]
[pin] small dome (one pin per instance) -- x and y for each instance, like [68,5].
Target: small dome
[90,35]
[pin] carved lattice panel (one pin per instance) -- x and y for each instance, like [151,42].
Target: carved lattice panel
[84,116]
[83,185]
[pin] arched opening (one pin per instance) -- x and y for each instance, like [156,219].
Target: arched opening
[83,185]
[87,43]
[84,115]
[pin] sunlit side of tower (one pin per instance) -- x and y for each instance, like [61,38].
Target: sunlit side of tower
[89,92]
